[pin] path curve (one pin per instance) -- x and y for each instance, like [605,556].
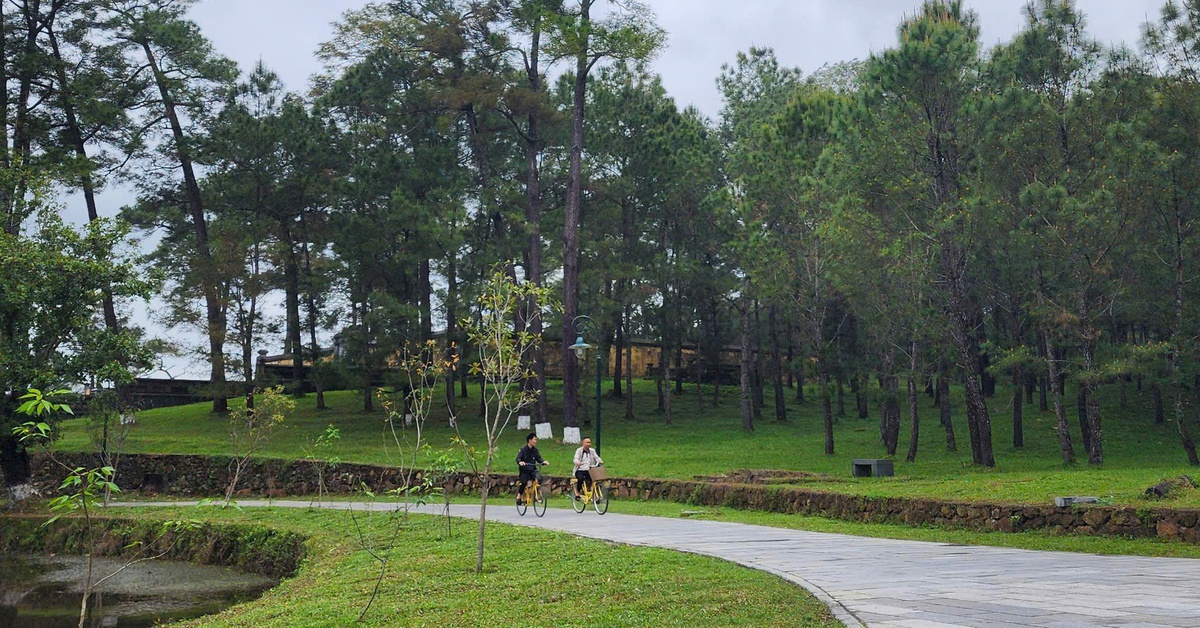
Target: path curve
[888,583]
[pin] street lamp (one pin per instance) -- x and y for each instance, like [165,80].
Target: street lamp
[585,324]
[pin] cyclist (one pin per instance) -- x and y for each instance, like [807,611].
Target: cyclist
[528,461]
[585,458]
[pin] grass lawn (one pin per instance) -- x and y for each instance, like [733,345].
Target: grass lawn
[1024,540]
[531,577]
[705,440]
[1031,540]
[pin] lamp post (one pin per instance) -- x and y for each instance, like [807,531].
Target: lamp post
[584,324]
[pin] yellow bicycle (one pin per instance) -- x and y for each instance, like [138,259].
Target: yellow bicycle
[535,494]
[595,493]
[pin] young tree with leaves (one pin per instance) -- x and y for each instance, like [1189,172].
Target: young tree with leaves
[502,363]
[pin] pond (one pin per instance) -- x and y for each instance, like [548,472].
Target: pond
[45,591]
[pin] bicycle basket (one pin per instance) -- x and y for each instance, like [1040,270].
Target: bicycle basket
[598,473]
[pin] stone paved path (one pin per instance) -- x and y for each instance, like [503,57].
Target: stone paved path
[884,583]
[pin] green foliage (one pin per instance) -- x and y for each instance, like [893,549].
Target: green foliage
[36,404]
[322,455]
[250,429]
[635,586]
[51,284]
[83,491]
[501,349]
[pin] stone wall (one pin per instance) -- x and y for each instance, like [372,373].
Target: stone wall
[203,476]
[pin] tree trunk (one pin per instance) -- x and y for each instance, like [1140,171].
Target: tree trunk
[1095,438]
[628,367]
[618,363]
[75,136]
[987,381]
[858,385]
[452,348]
[826,406]
[776,364]
[914,425]
[213,305]
[291,291]
[1060,413]
[943,389]
[913,421]
[658,382]
[22,142]
[7,198]
[963,334]
[425,298]
[1018,408]
[889,415]
[311,305]
[841,395]
[666,376]
[679,365]
[757,380]
[1156,402]
[1175,357]
[746,365]
[463,386]
[533,217]
[571,224]
[790,358]
[248,340]
[1081,413]
[485,487]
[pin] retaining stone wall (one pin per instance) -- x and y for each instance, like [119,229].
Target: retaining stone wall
[203,476]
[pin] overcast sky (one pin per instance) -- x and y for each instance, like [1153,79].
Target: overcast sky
[703,34]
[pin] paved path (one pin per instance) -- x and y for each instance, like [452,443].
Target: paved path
[884,583]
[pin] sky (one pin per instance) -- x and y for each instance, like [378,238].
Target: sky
[702,34]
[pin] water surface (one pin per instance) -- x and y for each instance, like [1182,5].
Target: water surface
[45,591]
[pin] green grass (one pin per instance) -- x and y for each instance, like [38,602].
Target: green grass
[703,440]
[1031,540]
[531,577]
[1023,540]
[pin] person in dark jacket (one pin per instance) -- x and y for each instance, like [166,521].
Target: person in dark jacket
[528,461]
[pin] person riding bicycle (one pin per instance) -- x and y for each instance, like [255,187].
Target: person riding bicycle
[585,458]
[528,461]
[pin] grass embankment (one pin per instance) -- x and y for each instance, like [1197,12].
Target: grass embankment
[708,440]
[1032,540]
[531,577]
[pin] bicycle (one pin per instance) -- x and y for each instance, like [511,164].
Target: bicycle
[595,493]
[535,494]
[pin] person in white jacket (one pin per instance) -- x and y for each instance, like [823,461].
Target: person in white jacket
[585,458]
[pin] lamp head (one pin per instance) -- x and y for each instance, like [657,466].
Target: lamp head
[580,347]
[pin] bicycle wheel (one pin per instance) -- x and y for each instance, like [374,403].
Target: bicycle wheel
[539,504]
[523,502]
[600,499]
[578,504]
